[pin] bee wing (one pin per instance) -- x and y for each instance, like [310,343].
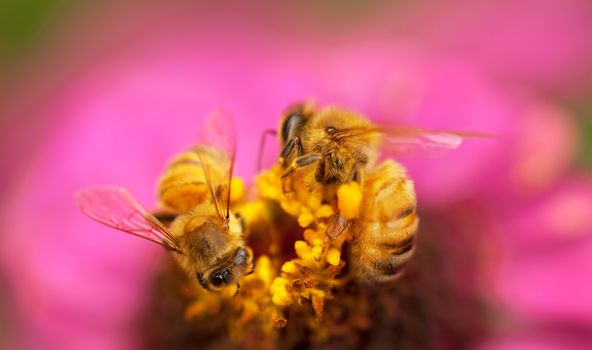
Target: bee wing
[216,150]
[402,140]
[117,208]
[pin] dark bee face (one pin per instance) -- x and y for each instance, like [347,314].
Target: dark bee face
[220,278]
[233,268]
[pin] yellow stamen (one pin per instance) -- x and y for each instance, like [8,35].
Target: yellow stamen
[237,190]
[290,267]
[349,198]
[333,256]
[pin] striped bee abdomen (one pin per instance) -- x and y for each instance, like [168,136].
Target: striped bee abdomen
[183,185]
[386,239]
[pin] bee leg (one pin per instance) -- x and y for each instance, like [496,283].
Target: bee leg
[286,188]
[297,163]
[300,162]
[288,150]
[299,148]
[356,175]
[336,226]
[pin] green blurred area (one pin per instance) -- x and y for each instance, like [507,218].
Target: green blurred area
[22,22]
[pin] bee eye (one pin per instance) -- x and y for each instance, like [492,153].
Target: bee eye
[220,277]
[241,257]
[290,123]
[330,130]
[217,280]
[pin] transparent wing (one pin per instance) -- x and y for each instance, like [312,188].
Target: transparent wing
[405,140]
[117,208]
[217,152]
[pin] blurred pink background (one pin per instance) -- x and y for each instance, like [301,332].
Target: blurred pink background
[105,93]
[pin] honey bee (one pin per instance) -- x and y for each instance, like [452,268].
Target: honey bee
[206,239]
[332,146]
[335,145]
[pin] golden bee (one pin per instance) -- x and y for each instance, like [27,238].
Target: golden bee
[334,145]
[329,147]
[205,238]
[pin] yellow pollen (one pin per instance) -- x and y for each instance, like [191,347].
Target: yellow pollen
[237,190]
[349,198]
[333,256]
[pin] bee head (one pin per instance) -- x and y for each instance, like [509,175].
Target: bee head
[231,269]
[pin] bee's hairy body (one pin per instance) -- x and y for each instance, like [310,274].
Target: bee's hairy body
[385,239]
[183,184]
[211,246]
[310,143]
[343,148]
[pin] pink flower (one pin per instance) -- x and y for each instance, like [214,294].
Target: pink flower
[120,116]
[548,244]
[544,45]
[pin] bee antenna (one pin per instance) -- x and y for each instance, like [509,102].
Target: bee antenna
[266,132]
